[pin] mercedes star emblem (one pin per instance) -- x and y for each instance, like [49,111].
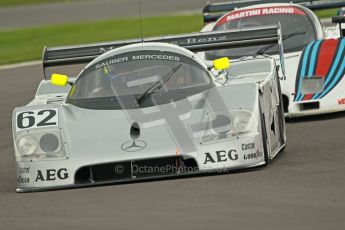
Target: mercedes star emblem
[133,146]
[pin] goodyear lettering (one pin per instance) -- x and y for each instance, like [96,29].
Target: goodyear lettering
[23,180]
[251,156]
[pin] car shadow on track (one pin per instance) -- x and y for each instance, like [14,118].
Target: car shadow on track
[329,116]
[152,180]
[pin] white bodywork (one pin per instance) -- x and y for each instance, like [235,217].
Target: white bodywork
[91,138]
[333,102]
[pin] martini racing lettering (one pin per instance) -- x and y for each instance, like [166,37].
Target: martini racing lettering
[51,175]
[36,119]
[260,12]
[221,156]
[244,14]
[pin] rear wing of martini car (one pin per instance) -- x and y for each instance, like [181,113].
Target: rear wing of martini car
[212,12]
[195,42]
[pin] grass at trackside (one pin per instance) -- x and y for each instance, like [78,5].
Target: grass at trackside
[27,2]
[27,44]
[326,13]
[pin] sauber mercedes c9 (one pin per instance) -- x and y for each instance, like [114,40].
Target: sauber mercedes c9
[152,109]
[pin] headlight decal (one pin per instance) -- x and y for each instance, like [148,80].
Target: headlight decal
[325,60]
[49,142]
[27,145]
[222,125]
[312,85]
[44,144]
[243,121]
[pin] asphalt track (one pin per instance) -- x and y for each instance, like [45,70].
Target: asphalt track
[90,10]
[304,188]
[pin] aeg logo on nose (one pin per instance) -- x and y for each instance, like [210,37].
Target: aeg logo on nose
[221,156]
[51,175]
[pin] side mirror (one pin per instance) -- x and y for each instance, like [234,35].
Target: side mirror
[221,64]
[59,80]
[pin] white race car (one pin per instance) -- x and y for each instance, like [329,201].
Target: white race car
[314,82]
[145,109]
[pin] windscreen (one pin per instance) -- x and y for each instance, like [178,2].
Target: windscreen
[131,77]
[297,29]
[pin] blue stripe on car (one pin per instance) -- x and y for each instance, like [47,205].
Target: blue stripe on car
[340,74]
[333,69]
[303,70]
[313,58]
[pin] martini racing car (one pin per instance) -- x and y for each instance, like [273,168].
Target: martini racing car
[146,109]
[314,82]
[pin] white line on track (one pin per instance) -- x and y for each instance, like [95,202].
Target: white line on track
[21,64]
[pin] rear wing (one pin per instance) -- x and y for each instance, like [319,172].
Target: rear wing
[195,42]
[212,12]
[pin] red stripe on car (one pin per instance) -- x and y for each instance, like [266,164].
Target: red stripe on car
[324,60]
[307,97]
[326,56]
